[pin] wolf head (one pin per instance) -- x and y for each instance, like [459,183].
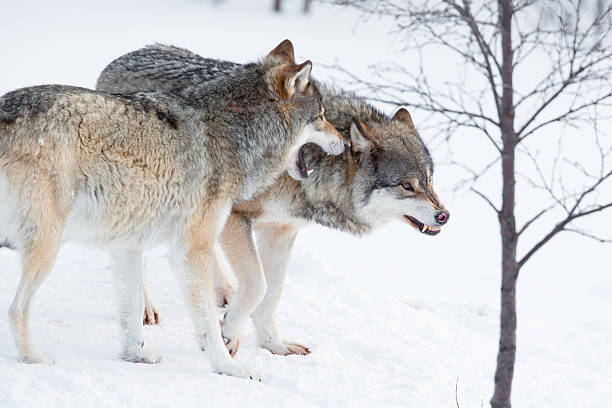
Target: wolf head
[395,171]
[300,102]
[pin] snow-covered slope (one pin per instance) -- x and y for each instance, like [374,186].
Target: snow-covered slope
[367,349]
[394,321]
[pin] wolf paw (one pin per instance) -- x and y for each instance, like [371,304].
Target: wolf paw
[232,345]
[224,294]
[143,356]
[35,358]
[150,316]
[236,370]
[286,348]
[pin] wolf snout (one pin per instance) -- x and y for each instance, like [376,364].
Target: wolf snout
[337,147]
[442,217]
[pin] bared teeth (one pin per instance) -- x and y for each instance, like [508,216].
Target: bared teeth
[309,171]
[424,228]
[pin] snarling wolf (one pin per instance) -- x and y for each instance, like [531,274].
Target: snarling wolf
[128,171]
[386,175]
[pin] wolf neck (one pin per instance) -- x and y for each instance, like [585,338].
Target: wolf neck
[327,196]
[259,136]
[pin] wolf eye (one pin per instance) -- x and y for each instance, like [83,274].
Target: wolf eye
[408,187]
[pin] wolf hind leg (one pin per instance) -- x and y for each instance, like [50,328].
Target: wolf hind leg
[274,245]
[39,251]
[129,269]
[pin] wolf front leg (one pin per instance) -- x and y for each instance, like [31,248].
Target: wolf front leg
[129,269]
[192,259]
[274,244]
[237,242]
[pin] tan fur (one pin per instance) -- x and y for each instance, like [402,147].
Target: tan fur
[199,239]
[284,50]
[251,209]
[323,125]
[403,115]
[37,260]
[241,253]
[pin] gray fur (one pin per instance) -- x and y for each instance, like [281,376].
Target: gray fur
[23,102]
[160,67]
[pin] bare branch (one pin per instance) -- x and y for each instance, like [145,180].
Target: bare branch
[558,228]
[589,235]
[534,219]
[486,52]
[484,197]
[456,395]
[566,115]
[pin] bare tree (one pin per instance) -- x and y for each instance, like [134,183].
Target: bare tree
[307,5]
[277,6]
[541,67]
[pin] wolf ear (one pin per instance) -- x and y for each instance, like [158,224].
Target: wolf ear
[403,116]
[284,50]
[361,136]
[298,78]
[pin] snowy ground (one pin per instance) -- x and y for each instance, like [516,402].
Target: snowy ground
[395,329]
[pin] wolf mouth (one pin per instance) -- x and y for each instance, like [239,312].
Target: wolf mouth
[302,165]
[424,228]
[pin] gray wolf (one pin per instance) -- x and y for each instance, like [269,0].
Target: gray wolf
[128,171]
[386,175]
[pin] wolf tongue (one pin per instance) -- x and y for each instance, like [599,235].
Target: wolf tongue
[302,163]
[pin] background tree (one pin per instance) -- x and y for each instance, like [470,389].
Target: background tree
[533,80]
[277,6]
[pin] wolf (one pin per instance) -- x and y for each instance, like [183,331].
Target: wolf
[129,171]
[387,174]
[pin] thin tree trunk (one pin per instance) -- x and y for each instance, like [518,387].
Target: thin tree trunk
[507,337]
[277,6]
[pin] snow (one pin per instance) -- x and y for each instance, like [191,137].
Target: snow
[395,319]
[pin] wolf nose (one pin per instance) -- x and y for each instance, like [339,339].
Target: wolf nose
[442,217]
